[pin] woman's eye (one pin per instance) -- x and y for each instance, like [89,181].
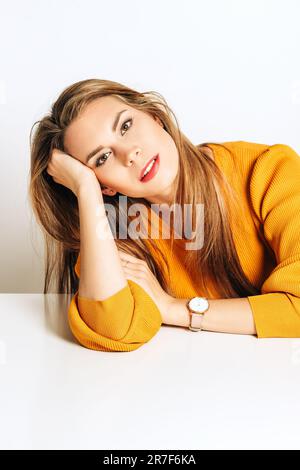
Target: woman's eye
[125,122]
[104,156]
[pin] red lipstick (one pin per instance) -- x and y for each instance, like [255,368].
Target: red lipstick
[153,170]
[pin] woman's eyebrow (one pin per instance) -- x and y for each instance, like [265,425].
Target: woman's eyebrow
[114,127]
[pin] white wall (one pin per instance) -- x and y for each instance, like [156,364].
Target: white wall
[230,70]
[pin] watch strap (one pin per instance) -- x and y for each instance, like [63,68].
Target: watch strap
[196,321]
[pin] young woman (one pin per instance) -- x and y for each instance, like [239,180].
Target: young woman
[92,151]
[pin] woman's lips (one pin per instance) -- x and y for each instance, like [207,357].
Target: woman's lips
[153,170]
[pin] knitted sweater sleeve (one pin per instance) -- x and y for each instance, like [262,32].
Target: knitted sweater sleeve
[122,322]
[275,199]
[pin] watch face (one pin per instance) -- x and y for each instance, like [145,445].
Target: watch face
[199,304]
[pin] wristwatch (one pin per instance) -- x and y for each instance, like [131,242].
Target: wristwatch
[197,307]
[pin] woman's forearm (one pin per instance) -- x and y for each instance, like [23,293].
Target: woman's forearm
[223,316]
[101,272]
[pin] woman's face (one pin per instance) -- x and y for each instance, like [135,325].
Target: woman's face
[137,138]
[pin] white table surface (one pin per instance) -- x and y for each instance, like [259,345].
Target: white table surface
[181,390]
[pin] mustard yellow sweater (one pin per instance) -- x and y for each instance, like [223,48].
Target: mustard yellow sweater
[267,180]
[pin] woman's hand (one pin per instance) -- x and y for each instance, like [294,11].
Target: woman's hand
[68,171]
[138,271]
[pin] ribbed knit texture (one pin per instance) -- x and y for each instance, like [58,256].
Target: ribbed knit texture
[267,240]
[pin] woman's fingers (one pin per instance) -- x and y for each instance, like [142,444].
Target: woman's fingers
[132,259]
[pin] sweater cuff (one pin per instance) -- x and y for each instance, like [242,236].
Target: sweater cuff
[145,323]
[276,315]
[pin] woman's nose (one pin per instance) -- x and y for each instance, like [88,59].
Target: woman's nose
[132,156]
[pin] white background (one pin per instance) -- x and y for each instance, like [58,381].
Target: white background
[230,70]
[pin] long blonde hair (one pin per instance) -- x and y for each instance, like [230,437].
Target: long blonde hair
[199,180]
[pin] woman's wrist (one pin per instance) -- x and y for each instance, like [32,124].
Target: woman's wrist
[87,184]
[178,313]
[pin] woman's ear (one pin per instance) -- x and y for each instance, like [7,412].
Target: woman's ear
[109,192]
